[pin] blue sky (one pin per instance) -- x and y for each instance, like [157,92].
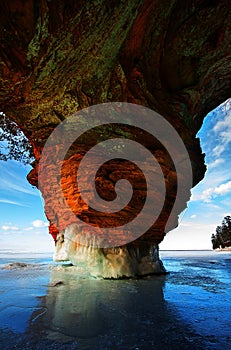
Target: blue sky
[23,225]
[211,198]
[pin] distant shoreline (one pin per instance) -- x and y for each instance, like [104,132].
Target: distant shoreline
[226,249]
[186,250]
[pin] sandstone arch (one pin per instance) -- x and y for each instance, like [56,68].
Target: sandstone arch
[59,57]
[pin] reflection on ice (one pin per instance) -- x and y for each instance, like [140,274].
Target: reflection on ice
[110,314]
[86,308]
[63,307]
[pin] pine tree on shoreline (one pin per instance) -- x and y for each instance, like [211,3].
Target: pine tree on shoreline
[222,237]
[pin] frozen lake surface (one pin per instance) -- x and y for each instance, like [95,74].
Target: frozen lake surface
[48,306]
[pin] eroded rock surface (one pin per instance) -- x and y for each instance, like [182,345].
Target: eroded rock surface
[60,57]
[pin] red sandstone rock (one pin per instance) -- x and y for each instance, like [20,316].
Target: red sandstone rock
[171,56]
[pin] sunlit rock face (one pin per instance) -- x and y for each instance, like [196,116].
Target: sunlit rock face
[59,59]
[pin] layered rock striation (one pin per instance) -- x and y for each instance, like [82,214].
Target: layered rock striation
[60,57]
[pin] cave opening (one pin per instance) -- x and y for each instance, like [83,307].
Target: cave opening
[209,203]
[23,224]
[211,198]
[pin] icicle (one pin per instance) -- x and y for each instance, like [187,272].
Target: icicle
[125,261]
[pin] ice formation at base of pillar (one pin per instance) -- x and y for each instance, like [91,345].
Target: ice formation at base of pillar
[118,262]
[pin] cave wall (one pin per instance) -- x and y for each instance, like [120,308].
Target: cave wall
[58,57]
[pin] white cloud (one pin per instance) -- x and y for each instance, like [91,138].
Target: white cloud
[11,186]
[193,216]
[206,195]
[195,225]
[222,129]
[189,236]
[216,163]
[28,228]
[12,180]
[9,228]
[223,188]
[212,179]
[224,124]
[213,192]
[218,150]
[39,223]
[7,201]
[213,206]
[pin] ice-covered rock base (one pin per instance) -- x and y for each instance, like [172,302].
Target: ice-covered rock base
[117,262]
